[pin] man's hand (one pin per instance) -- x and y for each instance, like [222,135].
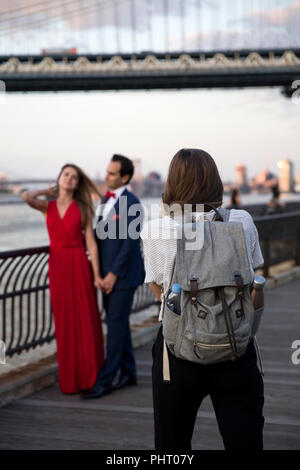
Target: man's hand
[108,282]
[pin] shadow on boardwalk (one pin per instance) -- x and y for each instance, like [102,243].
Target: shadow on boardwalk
[124,419]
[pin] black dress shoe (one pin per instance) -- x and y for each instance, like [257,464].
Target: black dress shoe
[97,391]
[124,381]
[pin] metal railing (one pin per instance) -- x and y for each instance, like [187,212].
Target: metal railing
[279,237]
[25,302]
[258,210]
[26,319]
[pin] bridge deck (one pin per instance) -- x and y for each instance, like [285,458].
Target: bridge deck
[124,419]
[151,71]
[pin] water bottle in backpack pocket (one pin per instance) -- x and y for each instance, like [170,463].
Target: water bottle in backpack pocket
[174,299]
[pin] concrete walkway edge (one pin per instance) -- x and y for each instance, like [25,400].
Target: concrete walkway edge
[29,380]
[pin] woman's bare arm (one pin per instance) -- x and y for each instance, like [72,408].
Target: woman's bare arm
[93,251]
[156,289]
[32,199]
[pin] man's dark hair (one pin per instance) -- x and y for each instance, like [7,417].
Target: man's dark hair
[127,167]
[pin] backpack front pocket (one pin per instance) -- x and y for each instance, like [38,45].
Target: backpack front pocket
[212,348]
[171,323]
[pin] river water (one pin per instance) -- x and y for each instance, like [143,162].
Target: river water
[23,227]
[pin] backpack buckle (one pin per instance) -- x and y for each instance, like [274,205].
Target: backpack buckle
[240,284]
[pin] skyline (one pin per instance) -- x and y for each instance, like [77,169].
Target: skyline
[41,132]
[9,178]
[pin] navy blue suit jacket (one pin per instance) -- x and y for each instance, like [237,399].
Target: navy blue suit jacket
[122,257]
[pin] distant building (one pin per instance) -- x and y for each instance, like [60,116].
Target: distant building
[154,176]
[3,181]
[226,187]
[263,181]
[286,175]
[137,182]
[241,180]
[297,185]
[153,185]
[137,163]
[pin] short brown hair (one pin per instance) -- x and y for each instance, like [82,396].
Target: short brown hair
[193,178]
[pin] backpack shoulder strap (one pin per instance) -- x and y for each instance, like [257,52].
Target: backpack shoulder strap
[224,213]
[220,212]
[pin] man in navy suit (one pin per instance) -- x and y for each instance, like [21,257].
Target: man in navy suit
[122,270]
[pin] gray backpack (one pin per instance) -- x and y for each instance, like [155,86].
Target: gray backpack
[217,318]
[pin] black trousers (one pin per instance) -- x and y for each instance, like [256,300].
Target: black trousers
[235,388]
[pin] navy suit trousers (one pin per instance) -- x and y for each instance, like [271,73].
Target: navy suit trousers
[119,350]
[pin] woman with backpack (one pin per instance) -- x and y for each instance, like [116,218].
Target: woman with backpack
[180,383]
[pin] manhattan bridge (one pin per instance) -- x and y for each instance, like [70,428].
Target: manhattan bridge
[146,44]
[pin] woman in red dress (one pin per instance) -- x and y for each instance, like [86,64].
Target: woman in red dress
[78,331]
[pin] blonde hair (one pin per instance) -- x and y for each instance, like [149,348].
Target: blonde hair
[83,193]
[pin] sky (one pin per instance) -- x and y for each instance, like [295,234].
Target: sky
[41,132]
[89,25]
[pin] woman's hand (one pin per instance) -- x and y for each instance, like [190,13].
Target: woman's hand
[32,199]
[156,289]
[98,282]
[109,282]
[52,191]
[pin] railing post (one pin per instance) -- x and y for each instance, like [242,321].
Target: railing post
[297,258]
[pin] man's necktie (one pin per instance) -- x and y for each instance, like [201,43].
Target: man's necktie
[110,194]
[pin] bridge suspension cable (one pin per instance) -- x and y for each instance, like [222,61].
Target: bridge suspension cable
[182,14]
[251,24]
[28,7]
[68,15]
[117,25]
[25,6]
[166,24]
[149,23]
[133,23]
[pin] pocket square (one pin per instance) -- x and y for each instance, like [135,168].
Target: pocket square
[115,217]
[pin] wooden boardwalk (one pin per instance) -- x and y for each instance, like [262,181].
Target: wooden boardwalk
[124,419]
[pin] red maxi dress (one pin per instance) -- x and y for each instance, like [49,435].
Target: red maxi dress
[78,330]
